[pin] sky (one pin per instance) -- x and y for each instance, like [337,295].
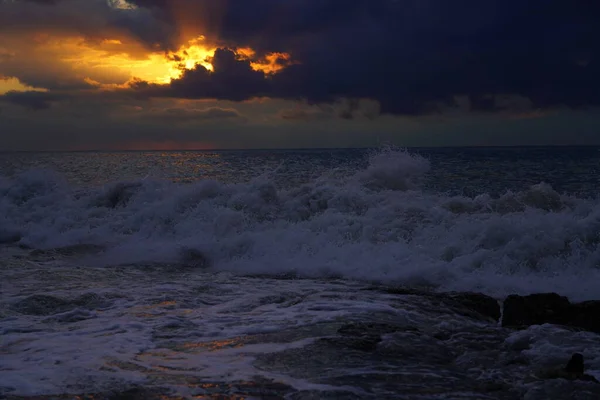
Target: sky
[208,74]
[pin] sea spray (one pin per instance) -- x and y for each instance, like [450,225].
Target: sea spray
[378,223]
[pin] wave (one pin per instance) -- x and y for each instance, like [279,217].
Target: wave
[376,224]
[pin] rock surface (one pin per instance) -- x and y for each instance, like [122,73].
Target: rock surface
[470,304]
[550,308]
[131,333]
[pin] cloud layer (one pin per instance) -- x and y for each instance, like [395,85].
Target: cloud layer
[362,64]
[410,55]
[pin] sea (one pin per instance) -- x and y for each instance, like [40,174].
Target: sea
[239,274]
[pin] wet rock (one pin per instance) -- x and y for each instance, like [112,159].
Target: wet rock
[470,304]
[484,305]
[574,370]
[575,365]
[585,315]
[561,389]
[535,309]
[550,308]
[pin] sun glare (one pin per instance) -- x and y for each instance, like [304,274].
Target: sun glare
[111,61]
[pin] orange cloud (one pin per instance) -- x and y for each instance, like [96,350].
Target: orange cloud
[271,63]
[112,62]
[15,85]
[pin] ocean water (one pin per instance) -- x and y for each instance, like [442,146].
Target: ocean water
[183,270]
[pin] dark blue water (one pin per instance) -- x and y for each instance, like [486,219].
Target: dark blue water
[466,170]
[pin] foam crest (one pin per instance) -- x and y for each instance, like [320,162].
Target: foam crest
[375,224]
[394,169]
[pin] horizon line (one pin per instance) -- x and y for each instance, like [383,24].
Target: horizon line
[295,148]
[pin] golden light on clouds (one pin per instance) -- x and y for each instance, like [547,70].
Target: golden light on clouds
[194,52]
[270,64]
[13,84]
[111,60]
[58,60]
[273,63]
[121,4]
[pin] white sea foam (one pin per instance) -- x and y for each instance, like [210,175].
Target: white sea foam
[376,224]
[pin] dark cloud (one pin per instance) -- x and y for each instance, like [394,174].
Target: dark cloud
[232,79]
[33,100]
[92,19]
[409,55]
[183,115]
[44,2]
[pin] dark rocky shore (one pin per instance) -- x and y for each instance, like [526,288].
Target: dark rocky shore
[476,356]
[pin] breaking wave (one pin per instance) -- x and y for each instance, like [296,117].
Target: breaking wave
[376,224]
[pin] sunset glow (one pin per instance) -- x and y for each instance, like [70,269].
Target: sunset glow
[270,64]
[13,84]
[112,60]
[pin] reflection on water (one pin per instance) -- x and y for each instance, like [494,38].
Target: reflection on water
[155,310]
[215,344]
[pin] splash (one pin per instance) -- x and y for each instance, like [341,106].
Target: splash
[374,224]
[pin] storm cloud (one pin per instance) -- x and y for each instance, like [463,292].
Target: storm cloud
[410,55]
[298,65]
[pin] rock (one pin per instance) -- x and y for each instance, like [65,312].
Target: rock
[575,365]
[480,303]
[550,308]
[469,304]
[575,369]
[535,309]
[585,315]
